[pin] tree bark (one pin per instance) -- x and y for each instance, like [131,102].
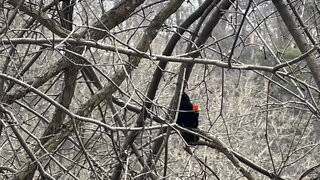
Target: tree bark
[298,37]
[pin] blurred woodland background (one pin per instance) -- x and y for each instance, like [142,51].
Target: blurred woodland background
[89,89]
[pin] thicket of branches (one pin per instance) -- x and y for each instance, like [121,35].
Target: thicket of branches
[90,89]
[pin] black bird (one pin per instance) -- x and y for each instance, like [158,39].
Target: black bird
[188,118]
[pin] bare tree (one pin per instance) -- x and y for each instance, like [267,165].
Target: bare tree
[91,89]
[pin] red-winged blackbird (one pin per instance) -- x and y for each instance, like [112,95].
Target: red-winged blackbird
[188,118]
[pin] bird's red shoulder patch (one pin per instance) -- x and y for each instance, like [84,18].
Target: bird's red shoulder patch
[195,107]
